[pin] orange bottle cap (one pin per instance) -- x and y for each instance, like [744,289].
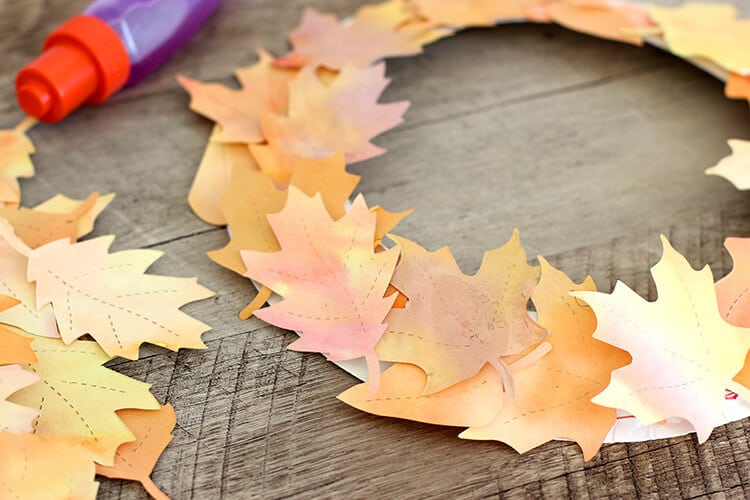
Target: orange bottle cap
[84,61]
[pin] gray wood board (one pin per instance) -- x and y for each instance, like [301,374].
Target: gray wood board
[591,148]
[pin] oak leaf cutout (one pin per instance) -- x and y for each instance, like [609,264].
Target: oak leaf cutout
[684,353]
[84,219]
[474,401]
[14,417]
[15,162]
[706,30]
[736,167]
[45,468]
[78,397]
[330,277]
[388,29]
[554,394]
[454,324]
[106,295]
[135,460]
[322,120]
[264,89]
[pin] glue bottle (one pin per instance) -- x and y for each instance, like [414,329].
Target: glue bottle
[112,44]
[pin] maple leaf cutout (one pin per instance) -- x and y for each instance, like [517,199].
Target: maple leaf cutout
[553,394]
[331,279]
[376,32]
[84,219]
[474,401]
[45,468]
[466,13]
[136,460]
[264,88]
[736,167]
[454,324]
[15,162]
[108,297]
[15,417]
[684,353]
[214,177]
[13,282]
[77,396]
[322,120]
[706,30]
[738,87]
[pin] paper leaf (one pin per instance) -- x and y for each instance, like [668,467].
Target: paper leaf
[332,281]
[13,282]
[554,394]
[15,348]
[454,324]
[37,228]
[78,396]
[375,32]
[15,162]
[344,116]
[251,195]
[14,417]
[706,30]
[684,353]
[214,177]
[136,460]
[45,468]
[600,18]
[60,204]
[738,87]
[475,401]
[108,297]
[466,13]
[736,167]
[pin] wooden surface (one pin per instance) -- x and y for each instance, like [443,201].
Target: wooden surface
[591,148]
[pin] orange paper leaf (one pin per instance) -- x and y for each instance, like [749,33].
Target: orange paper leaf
[15,348]
[736,167]
[474,401]
[322,119]
[454,324]
[264,88]
[15,162]
[466,13]
[15,417]
[332,281]
[600,18]
[45,468]
[136,460]
[738,87]
[554,394]
[684,353]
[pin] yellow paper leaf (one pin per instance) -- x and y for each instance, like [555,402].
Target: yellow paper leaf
[77,397]
[15,417]
[706,30]
[684,354]
[48,467]
[474,401]
[600,18]
[554,394]
[60,204]
[736,167]
[108,297]
[136,460]
[454,324]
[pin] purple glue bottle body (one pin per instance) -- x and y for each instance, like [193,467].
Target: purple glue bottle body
[113,43]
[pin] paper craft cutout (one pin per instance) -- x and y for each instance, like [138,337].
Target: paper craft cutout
[45,468]
[736,167]
[136,460]
[214,177]
[15,348]
[60,204]
[377,31]
[15,162]
[264,89]
[332,281]
[454,324]
[251,195]
[13,282]
[469,12]
[554,394]
[706,30]
[14,417]
[684,353]
[108,297]
[37,228]
[474,401]
[347,117]
[77,397]
[738,87]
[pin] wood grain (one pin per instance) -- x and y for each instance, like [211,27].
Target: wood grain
[591,148]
